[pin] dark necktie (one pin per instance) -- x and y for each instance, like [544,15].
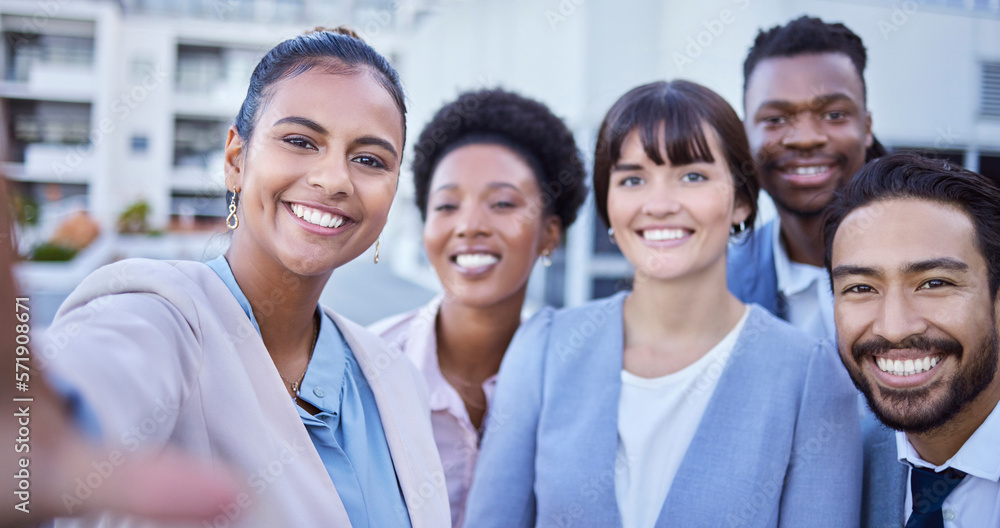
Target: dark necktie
[929,491]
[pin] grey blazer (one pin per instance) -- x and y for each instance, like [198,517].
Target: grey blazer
[779,443]
[884,495]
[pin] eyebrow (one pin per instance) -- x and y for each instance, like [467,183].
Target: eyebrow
[494,185]
[819,100]
[626,167]
[304,121]
[373,141]
[944,263]
[865,271]
[920,266]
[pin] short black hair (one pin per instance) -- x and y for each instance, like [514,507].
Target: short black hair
[669,117]
[806,35]
[526,126]
[907,175]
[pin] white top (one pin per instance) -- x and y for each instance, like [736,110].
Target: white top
[806,290]
[657,418]
[975,502]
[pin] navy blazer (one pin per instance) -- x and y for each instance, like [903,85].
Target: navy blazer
[779,443]
[750,271]
[884,492]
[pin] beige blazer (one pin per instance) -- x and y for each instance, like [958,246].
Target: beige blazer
[164,355]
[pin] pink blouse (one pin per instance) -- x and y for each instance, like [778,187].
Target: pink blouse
[457,439]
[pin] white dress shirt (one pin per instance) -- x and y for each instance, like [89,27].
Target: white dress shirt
[975,502]
[806,291]
[657,418]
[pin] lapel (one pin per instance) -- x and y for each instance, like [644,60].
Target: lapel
[884,496]
[729,437]
[401,415]
[279,410]
[590,345]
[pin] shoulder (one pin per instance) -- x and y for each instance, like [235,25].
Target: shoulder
[186,285]
[588,319]
[397,329]
[756,246]
[375,355]
[788,350]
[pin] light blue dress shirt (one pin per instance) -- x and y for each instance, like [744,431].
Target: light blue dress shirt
[347,432]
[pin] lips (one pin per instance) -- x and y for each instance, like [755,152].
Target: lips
[907,367]
[474,261]
[317,217]
[807,172]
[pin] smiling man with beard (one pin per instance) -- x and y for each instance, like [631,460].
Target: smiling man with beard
[913,251]
[809,128]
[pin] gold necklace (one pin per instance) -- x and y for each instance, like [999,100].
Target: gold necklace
[296,385]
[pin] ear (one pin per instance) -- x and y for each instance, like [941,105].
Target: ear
[741,211]
[233,157]
[551,233]
[869,138]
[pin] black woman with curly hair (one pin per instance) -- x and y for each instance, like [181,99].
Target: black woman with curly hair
[498,180]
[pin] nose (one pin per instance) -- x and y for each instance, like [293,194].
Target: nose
[662,201]
[805,133]
[898,318]
[472,222]
[332,178]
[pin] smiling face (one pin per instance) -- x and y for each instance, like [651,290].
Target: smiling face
[316,180]
[808,128]
[485,225]
[672,221]
[916,327]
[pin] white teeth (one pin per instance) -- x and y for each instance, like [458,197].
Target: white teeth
[662,234]
[906,367]
[808,171]
[475,260]
[319,218]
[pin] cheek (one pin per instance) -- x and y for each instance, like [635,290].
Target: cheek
[435,236]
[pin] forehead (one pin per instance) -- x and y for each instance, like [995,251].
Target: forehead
[892,233]
[801,78]
[348,104]
[480,164]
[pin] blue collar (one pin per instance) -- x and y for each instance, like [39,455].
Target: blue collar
[323,384]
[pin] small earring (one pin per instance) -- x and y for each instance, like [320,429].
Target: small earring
[611,236]
[377,240]
[232,222]
[737,228]
[546,258]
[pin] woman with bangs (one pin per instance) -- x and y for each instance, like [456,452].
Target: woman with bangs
[498,180]
[673,404]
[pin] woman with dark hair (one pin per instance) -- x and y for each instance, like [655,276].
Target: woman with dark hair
[234,360]
[498,179]
[673,404]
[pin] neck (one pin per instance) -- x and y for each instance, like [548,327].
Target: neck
[283,302]
[939,445]
[803,237]
[471,341]
[686,309]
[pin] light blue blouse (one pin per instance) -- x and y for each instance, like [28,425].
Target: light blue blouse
[347,432]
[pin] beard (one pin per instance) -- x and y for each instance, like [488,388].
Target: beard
[915,411]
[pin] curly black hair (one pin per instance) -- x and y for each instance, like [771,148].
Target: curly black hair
[526,126]
[806,35]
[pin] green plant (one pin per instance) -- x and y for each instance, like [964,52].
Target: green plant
[25,210]
[134,218]
[49,252]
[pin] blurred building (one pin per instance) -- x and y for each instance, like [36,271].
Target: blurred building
[108,104]
[933,77]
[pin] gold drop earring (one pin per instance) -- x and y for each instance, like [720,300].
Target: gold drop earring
[377,240]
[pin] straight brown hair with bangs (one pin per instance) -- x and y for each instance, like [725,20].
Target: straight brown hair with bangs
[669,118]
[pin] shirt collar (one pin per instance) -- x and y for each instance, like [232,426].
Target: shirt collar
[978,457]
[324,380]
[323,385]
[421,346]
[793,278]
